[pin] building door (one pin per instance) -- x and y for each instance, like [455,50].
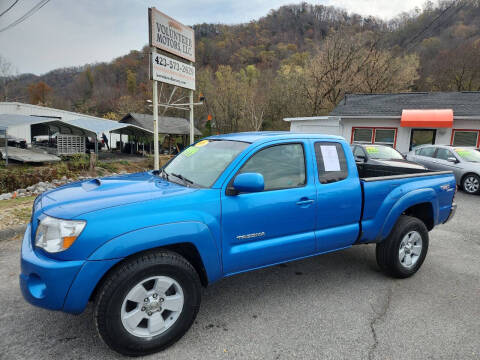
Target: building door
[422,137]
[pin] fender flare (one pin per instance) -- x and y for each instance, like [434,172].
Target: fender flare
[196,233]
[410,199]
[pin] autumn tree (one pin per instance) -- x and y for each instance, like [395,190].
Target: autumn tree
[131,82]
[6,75]
[457,69]
[39,93]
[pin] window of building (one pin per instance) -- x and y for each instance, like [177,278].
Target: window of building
[373,135]
[465,138]
[282,166]
[331,162]
[362,135]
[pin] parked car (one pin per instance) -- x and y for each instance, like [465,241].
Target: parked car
[463,161]
[382,160]
[141,245]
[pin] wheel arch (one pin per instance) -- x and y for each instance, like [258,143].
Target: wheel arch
[187,250]
[424,212]
[422,204]
[192,240]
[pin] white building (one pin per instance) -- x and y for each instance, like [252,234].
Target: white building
[24,130]
[402,120]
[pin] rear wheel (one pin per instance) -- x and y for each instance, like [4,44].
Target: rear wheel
[471,184]
[148,303]
[402,253]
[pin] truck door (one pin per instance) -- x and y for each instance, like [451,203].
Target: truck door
[278,223]
[339,196]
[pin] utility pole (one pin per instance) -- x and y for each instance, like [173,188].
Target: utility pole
[156,160]
[192,128]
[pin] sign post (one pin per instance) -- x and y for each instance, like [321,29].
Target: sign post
[171,36]
[156,159]
[192,128]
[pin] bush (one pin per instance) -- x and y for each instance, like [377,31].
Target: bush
[78,162]
[108,166]
[12,179]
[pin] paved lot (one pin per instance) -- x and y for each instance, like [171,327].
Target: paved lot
[330,307]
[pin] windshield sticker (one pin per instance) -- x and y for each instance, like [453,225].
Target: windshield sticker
[371,149]
[190,151]
[201,143]
[462,152]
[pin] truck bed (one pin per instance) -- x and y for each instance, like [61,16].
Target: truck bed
[384,196]
[373,171]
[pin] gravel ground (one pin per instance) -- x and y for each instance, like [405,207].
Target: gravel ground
[332,306]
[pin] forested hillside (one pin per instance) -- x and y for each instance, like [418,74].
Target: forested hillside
[298,60]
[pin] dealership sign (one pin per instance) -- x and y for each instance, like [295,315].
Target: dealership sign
[171,71]
[171,36]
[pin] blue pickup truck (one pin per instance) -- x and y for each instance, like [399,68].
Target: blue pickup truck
[140,246]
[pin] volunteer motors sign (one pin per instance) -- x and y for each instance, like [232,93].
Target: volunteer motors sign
[171,71]
[171,36]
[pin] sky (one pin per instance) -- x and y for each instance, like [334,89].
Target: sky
[68,33]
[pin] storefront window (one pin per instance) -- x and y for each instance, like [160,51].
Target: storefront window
[374,136]
[385,136]
[465,138]
[362,135]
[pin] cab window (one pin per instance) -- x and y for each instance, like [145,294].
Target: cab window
[331,162]
[282,166]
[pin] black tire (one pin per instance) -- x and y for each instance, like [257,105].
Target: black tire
[387,251]
[472,179]
[108,305]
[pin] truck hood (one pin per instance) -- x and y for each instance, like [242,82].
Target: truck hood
[72,200]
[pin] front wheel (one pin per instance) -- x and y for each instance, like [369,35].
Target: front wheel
[402,253]
[147,303]
[471,184]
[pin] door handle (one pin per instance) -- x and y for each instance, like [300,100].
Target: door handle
[305,201]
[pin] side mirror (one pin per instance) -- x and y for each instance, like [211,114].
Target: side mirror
[452,159]
[360,159]
[248,183]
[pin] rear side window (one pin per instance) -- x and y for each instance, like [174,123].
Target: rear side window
[444,154]
[282,166]
[427,151]
[331,162]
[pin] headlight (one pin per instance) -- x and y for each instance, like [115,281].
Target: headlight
[55,235]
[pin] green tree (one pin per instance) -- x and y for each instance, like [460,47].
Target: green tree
[131,82]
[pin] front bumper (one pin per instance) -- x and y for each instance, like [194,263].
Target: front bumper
[45,282]
[56,284]
[453,209]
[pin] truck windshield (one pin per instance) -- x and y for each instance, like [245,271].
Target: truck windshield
[470,155]
[383,152]
[202,163]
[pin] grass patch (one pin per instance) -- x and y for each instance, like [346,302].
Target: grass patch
[111,167]
[8,204]
[22,214]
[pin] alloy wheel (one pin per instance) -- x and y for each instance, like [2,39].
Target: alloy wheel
[152,306]
[410,249]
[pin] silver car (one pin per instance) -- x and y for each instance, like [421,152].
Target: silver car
[463,161]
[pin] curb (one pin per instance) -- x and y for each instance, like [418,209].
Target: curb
[7,234]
